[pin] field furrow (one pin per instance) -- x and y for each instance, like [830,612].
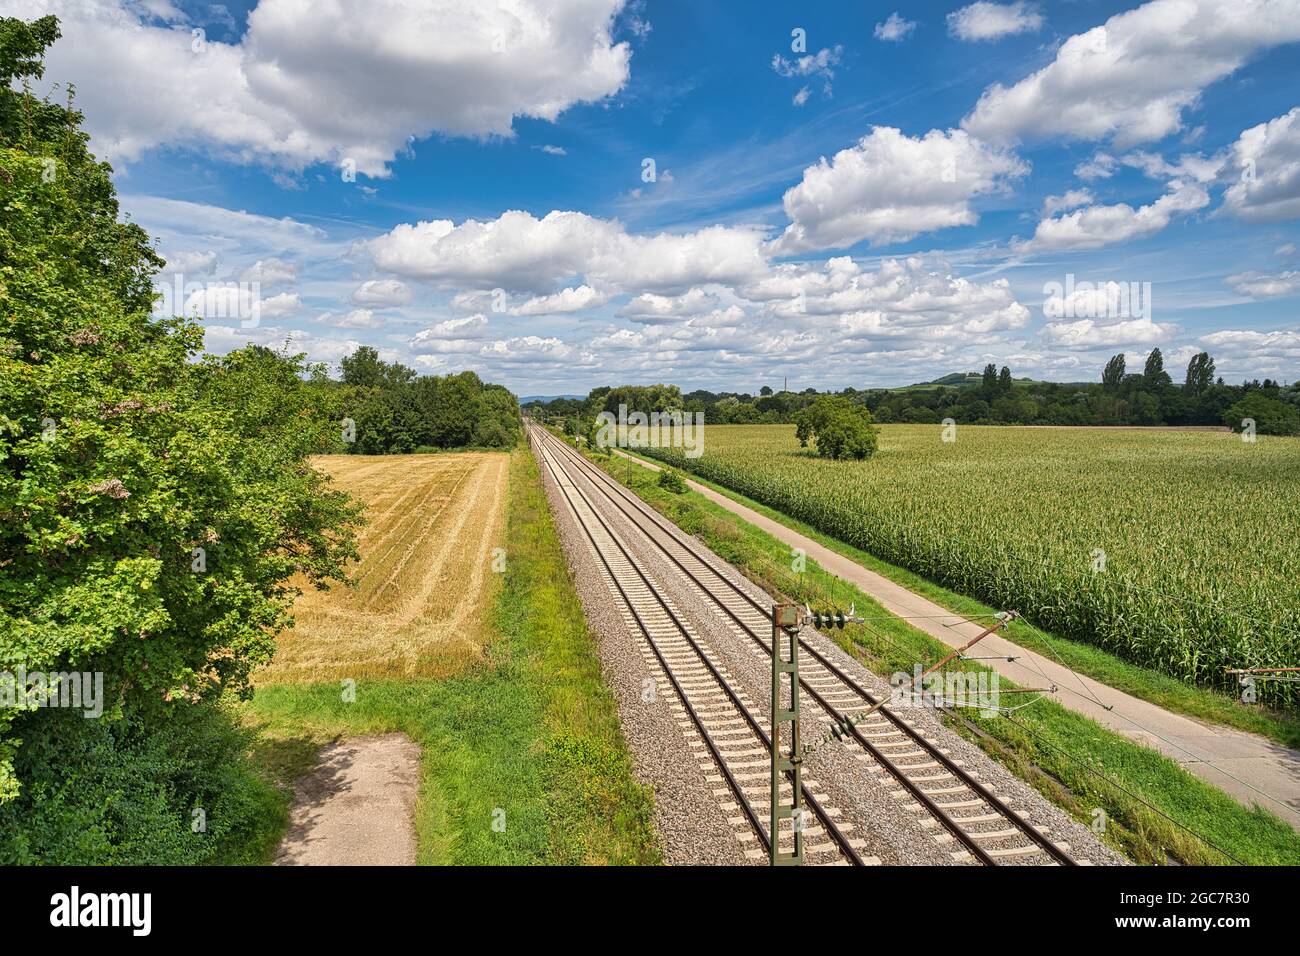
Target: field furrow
[427,550]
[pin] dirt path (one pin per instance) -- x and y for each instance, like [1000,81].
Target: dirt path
[1252,769]
[355,808]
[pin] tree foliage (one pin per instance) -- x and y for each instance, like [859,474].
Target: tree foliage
[397,411]
[637,398]
[1200,374]
[122,461]
[991,398]
[840,428]
[1113,374]
[1154,375]
[1270,416]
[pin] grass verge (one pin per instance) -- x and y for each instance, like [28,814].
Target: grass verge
[1154,811]
[531,730]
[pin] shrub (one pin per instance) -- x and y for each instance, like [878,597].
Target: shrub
[125,792]
[670,480]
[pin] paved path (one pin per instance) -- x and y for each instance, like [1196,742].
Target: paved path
[355,808]
[1253,769]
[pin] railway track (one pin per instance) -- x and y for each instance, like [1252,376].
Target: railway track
[975,825]
[719,720]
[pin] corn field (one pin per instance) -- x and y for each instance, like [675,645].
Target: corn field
[1178,550]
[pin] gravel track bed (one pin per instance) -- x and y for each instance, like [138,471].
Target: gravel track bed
[691,822]
[897,830]
[688,818]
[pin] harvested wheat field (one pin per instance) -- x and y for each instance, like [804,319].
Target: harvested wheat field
[422,587]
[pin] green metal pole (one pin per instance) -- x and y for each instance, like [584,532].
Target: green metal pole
[785,624]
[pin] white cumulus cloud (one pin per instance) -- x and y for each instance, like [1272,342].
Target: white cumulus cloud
[519,251]
[382,293]
[573,299]
[1134,76]
[890,187]
[1266,161]
[1259,285]
[992,21]
[271,272]
[895,28]
[347,80]
[1093,227]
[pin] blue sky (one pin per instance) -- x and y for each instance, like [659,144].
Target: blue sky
[843,193]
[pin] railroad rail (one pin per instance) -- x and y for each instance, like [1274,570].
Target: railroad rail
[985,828]
[720,715]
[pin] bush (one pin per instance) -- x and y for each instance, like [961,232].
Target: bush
[124,792]
[1271,416]
[670,480]
[491,433]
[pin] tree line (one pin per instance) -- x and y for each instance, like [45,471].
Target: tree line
[993,397]
[396,411]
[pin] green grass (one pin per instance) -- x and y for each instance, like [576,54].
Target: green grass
[1201,703]
[1071,759]
[532,730]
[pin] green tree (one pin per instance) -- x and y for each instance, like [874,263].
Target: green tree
[840,428]
[455,414]
[153,509]
[1004,381]
[364,368]
[1113,374]
[637,398]
[1154,376]
[1271,417]
[1200,373]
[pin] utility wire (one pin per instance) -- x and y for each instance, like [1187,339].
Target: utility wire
[1140,799]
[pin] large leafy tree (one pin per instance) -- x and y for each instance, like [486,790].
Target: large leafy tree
[155,511]
[1154,375]
[1271,417]
[840,428]
[989,380]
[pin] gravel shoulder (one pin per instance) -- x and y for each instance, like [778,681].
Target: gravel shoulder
[687,815]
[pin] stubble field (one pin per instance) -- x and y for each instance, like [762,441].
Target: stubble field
[418,605]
